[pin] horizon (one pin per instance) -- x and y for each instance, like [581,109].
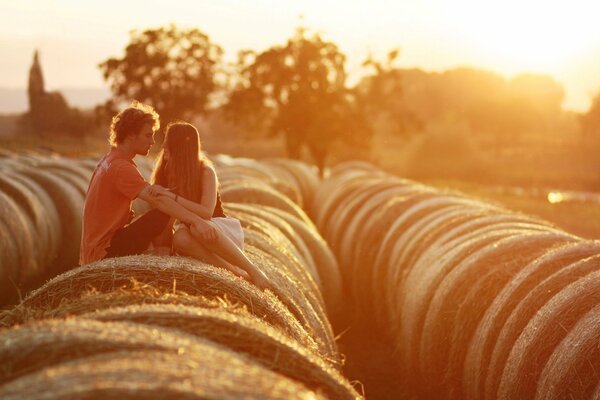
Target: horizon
[559,40]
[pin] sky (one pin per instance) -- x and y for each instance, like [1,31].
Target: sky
[559,38]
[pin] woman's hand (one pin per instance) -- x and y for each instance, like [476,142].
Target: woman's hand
[204,231]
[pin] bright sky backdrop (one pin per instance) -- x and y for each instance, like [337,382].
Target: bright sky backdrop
[556,37]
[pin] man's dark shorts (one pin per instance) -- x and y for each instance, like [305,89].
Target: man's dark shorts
[137,236]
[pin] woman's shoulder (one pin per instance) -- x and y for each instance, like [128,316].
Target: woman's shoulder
[208,170]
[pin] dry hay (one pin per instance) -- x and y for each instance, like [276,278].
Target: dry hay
[70,171]
[242,333]
[40,210]
[69,203]
[136,293]
[229,178]
[259,217]
[305,304]
[572,370]
[327,196]
[482,345]
[544,332]
[463,297]
[168,274]
[525,311]
[92,359]
[425,278]
[18,253]
[325,261]
[245,192]
[306,176]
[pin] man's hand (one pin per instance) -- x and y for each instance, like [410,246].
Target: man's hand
[204,231]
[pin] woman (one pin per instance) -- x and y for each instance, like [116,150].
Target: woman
[194,185]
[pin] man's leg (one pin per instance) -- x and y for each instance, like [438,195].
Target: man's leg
[137,236]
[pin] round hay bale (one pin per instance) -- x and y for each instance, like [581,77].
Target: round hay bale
[306,305]
[18,253]
[48,223]
[480,350]
[571,370]
[306,176]
[327,197]
[463,297]
[261,194]
[242,333]
[539,339]
[322,255]
[228,178]
[69,204]
[299,249]
[168,274]
[150,374]
[134,361]
[424,279]
[275,243]
[525,311]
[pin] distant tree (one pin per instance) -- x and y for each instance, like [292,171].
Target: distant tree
[590,121]
[298,90]
[381,94]
[169,68]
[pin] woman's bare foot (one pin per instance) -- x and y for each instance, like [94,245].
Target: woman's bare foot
[261,280]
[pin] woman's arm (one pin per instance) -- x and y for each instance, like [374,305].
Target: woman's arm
[206,207]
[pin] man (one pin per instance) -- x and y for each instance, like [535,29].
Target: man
[109,229]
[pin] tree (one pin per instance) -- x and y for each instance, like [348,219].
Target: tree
[382,94]
[590,121]
[171,69]
[297,90]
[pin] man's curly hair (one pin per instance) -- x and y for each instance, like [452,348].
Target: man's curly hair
[129,121]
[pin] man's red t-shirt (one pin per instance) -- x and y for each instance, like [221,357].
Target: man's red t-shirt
[115,183]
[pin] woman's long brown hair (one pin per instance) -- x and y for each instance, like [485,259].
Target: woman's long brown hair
[182,172]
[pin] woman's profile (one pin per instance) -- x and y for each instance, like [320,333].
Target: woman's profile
[193,184]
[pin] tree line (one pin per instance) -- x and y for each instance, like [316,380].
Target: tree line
[300,89]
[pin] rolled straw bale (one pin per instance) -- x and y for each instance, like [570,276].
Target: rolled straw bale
[304,304]
[525,311]
[327,197]
[69,204]
[42,229]
[261,194]
[353,165]
[482,345]
[70,170]
[415,208]
[572,370]
[349,234]
[229,177]
[300,249]
[18,245]
[168,274]
[543,334]
[136,293]
[306,176]
[152,374]
[416,240]
[341,218]
[9,262]
[424,279]
[463,296]
[135,361]
[325,261]
[242,333]
[339,197]
[272,241]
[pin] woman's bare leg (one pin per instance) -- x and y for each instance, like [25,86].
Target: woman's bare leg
[185,244]
[228,250]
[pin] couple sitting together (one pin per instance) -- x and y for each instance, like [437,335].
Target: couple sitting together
[184,197]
